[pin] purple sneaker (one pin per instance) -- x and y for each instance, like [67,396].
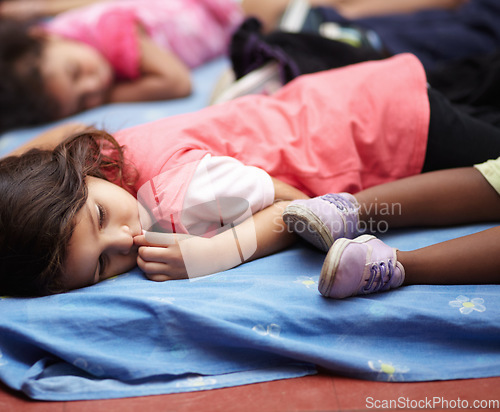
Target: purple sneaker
[358,267]
[324,219]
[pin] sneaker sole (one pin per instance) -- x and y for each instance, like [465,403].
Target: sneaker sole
[318,235]
[332,260]
[264,79]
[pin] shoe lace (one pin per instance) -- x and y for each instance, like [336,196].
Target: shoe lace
[378,272]
[340,202]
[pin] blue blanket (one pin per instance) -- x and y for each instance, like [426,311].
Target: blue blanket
[262,321]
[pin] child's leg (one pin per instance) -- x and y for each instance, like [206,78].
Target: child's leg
[440,198]
[445,197]
[473,259]
[269,12]
[366,264]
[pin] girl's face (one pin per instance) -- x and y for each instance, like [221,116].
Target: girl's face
[102,244]
[75,74]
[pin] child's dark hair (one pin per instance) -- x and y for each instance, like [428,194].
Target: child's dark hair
[23,98]
[41,192]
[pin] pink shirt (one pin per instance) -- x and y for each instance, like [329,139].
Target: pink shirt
[194,30]
[339,130]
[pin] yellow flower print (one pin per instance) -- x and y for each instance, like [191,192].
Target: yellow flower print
[308,282]
[387,371]
[467,305]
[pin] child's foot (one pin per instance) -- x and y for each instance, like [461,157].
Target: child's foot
[358,267]
[324,219]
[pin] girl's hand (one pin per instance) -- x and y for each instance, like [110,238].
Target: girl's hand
[262,234]
[160,262]
[181,256]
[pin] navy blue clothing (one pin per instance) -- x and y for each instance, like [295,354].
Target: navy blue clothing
[435,35]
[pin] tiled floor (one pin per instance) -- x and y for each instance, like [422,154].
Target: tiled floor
[313,393]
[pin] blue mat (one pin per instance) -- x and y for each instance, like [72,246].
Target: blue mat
[262,321]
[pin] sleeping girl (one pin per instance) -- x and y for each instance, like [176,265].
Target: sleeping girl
[111,51]
[69,215]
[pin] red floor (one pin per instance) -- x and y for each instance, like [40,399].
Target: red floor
[312,393]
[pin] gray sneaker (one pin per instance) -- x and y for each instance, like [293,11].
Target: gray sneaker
[324,219]
[358,267]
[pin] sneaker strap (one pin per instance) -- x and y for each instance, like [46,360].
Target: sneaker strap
[348,207]
[384,275]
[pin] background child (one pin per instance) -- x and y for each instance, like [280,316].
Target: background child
[63,219]
[322,38]
[35,9]
[113,51]
[362,265]
[269,12]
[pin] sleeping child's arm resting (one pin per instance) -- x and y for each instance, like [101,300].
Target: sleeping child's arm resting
[262,234]
[163,76]
[259,235]
[49,139]
[284,191]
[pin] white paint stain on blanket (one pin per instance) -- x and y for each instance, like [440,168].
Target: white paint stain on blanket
[273,330]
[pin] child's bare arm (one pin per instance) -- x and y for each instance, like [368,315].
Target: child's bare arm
[261,235]
[51,138]
[284,191]
[29,9]
[163,76]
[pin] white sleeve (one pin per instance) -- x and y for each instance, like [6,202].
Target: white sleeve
[224,191]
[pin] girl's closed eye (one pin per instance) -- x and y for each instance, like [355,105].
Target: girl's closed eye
[101,215]
[74,71]
[101,220]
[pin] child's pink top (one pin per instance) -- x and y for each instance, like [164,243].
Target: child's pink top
[194,30]
[339,130]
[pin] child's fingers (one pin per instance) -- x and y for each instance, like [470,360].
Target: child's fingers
[159,239]
[142,240]
[158,277]
[156,261]
[160,271]
[156,254]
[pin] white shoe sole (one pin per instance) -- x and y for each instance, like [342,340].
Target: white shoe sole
[308,226]
[332,260]
[264,80]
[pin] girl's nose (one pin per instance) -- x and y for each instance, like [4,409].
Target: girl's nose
[92,91]
[122,240]
[90,83]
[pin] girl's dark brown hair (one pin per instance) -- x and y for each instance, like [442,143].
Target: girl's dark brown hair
[24,100]
[41,192]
